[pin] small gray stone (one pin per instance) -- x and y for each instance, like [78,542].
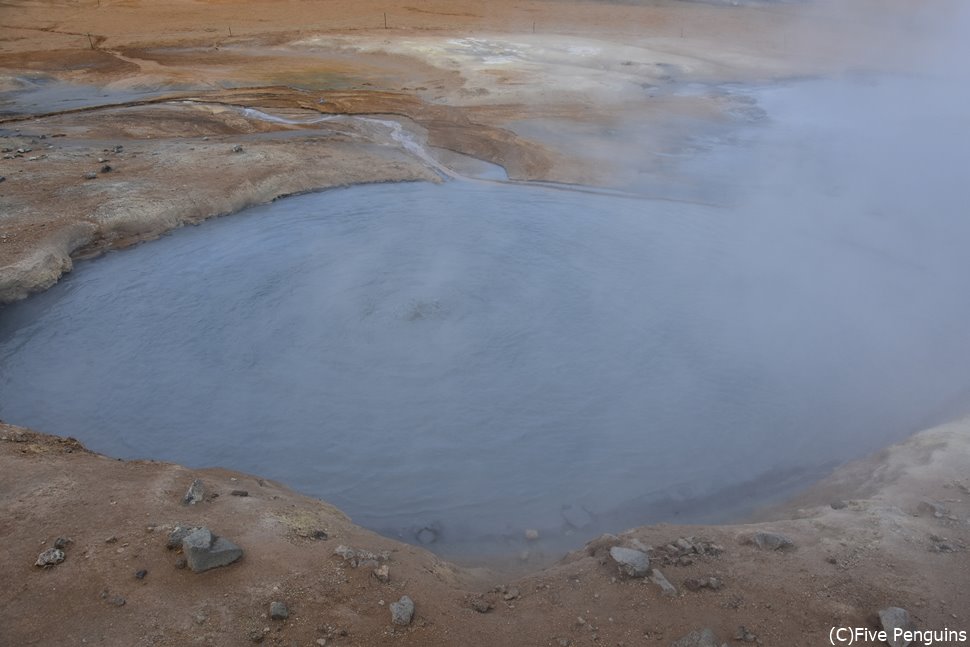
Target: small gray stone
[634,563]
[770,541]
[895,620]
[402,611]
[237,148]
[666,588]
[204,551]
[278,611]
[195,493]
[839,505]
[702,638]
[61,543]
[50,557]
[91,175]
[239,493]
[382,573]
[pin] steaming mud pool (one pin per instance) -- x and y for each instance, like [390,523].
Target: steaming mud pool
[453,364]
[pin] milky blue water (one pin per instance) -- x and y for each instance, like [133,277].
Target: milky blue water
[474,357]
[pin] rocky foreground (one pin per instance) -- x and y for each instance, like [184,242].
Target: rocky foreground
[100,551]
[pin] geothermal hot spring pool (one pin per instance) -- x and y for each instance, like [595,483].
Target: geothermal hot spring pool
[455,363]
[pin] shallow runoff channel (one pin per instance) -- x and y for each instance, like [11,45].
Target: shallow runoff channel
[454,364]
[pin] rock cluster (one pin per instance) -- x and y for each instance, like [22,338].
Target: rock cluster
[698,583]
[769,541]
[357,557]
[684,550]
[53,555]
[940,544]
[479,603]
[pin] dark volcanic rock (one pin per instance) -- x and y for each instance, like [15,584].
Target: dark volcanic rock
[634,563]
[50,557]
[278,610]
[204,551]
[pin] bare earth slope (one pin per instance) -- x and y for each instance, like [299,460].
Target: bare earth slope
[883,548]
